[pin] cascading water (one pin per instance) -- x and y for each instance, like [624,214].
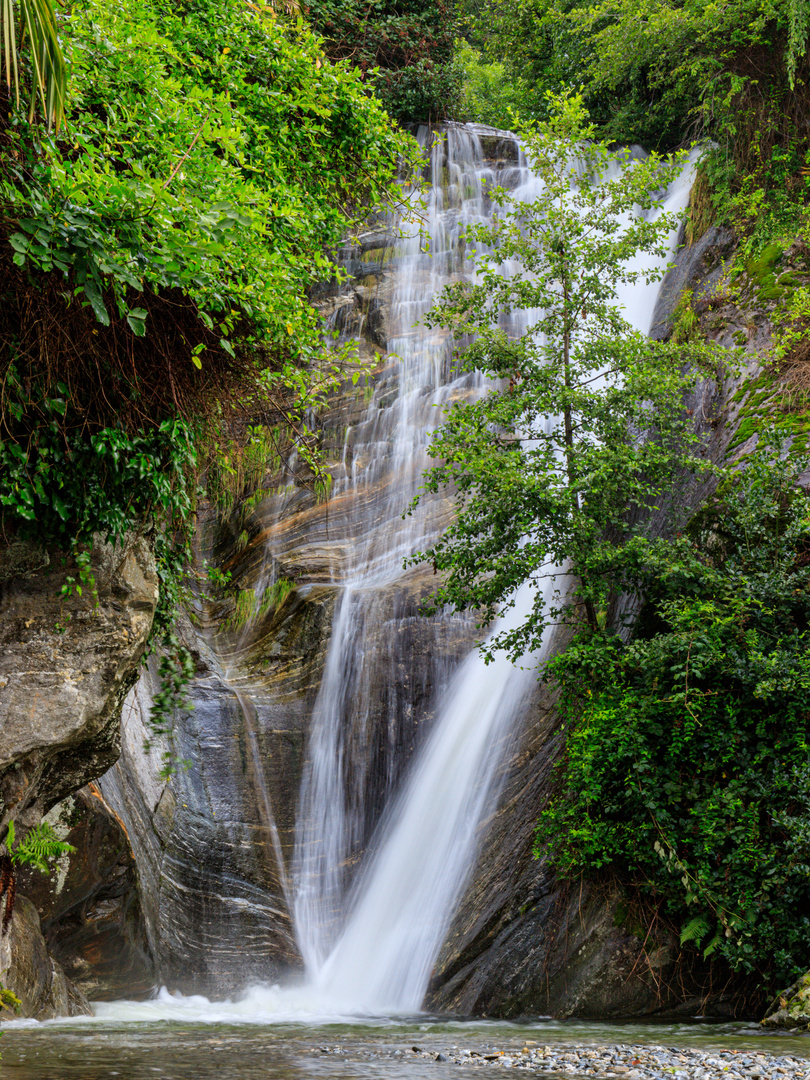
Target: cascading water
[406,728]
[379,956]
[384,457]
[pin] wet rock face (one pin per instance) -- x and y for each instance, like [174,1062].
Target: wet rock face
[65,668]
[213,893]
[523,943]
[29,972]
[206,841]
[89,907]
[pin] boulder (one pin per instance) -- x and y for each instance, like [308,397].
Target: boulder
[791,1008]
[66,665]
[90,906]
[29,972]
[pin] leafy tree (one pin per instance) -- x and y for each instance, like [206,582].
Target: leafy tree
[491,94]
[651,71]
[687,771]
[666,72]
[404,50]
[560,461]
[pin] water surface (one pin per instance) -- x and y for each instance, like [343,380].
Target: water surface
[272,1034]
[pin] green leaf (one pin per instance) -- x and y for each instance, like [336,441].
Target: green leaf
[60,507]
[93,294]
[136,317]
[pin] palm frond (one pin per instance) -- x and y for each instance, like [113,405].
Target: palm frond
[38,32]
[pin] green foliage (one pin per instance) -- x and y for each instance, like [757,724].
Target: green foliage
[236,146]
[219,579]
[404,50]
[492,95]
[175,671]
[665,72]
[244,609]
[275,595]
[9,1000]
[60,484]
[38,848]
[685,321]
[248,606]
[687,771]
[84,579]
[534,492]
[238,470]
[798,18]
[161,252]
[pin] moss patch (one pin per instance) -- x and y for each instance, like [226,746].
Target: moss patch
[763,402]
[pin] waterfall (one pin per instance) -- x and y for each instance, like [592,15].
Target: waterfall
[346,751]
[370,936]
[383,460]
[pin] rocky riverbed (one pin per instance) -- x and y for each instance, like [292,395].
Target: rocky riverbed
[633,1061]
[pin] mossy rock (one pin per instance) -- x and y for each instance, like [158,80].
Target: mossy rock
[761,268]
[791,1009]
[770,291]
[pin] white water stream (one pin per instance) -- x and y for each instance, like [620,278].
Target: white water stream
[371,946]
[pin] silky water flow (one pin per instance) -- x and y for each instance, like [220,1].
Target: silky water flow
[372,894]
[378,956]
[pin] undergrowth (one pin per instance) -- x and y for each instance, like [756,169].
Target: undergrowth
[687,770]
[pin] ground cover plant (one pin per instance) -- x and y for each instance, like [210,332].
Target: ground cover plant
[687,767]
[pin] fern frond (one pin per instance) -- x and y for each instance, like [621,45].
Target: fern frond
[713,945]
[695,930]
[40,847]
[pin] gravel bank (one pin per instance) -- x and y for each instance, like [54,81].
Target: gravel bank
[634,1062]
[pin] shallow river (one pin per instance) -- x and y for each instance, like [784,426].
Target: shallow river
[267,1035]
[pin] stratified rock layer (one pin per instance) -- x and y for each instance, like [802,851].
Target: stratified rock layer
[66,665]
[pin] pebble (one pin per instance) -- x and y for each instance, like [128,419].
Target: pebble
[632,1062]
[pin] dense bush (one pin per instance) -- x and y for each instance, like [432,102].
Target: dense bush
[159,250]
[687,772]
[667,72]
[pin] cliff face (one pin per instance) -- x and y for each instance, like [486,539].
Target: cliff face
[66,665]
